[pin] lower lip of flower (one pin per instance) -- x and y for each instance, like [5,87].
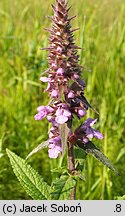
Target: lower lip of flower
[61,119]
[54,93]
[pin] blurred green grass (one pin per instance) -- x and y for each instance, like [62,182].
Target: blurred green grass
[102,34]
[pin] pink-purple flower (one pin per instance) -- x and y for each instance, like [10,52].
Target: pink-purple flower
[85,131]
[81,112]
[60,72]
[63,114]
[71,95]
[54,147]
[43,111]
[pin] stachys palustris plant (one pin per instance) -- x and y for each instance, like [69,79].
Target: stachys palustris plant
[66,91]
[65,87]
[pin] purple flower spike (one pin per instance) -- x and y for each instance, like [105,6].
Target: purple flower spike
[65,87]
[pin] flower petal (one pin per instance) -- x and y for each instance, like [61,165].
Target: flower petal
[49,109]
[85,140]
[56,140]
[48,87]
[54,65]
[81,112]
[71,95]
[67,113]
[41,108]
[61,119]
[90,135]
[93,122]
[59,112]
[53,153]
[60,71]
[59,49]
[98,135]
[44,79]
[39,116]
[54,93]
[90,122]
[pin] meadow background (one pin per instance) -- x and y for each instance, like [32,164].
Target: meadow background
[102,35]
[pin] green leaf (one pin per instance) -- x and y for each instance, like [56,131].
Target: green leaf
[29,178]
[80,156]
[62,187]
[77,175]
[79,153]
[60,170]
[64,132]
[90,148]
[38,148]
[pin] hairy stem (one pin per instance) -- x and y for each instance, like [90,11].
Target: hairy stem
[71,167]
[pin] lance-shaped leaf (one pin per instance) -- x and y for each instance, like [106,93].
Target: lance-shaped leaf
[90,148]
[38,148]
[29,178]
[64,132]
[79,154]
[61,188]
